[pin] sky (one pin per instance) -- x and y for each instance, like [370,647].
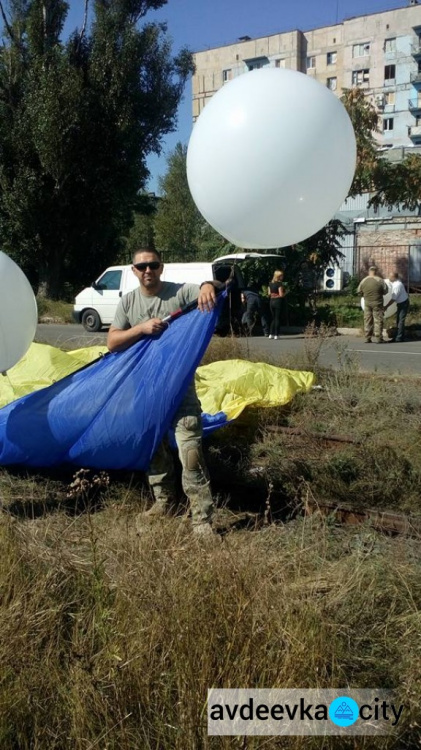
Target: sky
[202,24]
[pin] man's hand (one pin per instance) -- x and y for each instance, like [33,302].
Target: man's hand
[206,300]
[152,326]
[119,339]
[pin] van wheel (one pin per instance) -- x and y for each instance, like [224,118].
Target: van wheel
[91,321]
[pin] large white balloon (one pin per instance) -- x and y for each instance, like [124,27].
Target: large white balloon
[271,158]
[18,313]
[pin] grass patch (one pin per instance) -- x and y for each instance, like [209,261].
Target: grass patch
[346,310]
[58,311]
[111,639]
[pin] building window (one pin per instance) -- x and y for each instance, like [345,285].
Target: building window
[332,83]
[360,77]
[311,62]
[226,75]
[389,97]
[361,50]
[280,63]
[331,58]
[390,44]
[257,62]
[387,124]
[389,73]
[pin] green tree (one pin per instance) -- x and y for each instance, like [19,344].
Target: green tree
[399,184]
[181,232]
[178,221]
[392,185]
[142,232]
[363,116]
[77,121]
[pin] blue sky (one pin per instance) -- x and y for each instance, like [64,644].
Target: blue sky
[200,24]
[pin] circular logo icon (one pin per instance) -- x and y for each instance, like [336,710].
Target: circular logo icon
[344,711]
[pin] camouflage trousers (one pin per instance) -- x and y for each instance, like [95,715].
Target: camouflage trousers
[187,427]
[373,321]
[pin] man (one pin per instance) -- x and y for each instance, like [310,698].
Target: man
[372,288]
[139,313]
[400,296]
[254,311]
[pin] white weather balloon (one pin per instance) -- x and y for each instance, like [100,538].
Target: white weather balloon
[392,310]
[18,313]
[271,158]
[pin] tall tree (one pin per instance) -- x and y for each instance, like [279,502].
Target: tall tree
[180,229]
[399,184]
[142,233]
[77,121]
[178,221]
[363,116]
[392,184]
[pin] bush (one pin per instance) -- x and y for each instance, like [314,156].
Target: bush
[58,311]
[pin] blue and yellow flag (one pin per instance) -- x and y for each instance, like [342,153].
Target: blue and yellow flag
[114,413]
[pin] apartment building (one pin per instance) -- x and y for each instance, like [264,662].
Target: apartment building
[379,52]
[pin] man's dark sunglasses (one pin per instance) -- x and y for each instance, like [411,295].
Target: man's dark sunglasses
[153,266]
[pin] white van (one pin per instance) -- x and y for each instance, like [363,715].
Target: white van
[95,305]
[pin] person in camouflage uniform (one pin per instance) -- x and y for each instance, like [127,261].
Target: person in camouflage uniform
[373,288]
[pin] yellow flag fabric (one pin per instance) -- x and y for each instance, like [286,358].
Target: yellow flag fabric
[228,386]
[43,365]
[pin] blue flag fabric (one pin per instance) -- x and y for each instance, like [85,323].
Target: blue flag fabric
[114,413]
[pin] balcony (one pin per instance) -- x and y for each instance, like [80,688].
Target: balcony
[416,77]
[414,133]
[414,105]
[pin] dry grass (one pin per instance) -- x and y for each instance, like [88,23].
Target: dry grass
[110,640]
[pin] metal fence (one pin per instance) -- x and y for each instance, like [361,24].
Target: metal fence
[402,259]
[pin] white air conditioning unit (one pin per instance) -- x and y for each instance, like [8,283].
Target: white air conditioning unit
[333,279]
[379,101]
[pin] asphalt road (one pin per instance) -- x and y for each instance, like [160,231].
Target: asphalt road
[388,359]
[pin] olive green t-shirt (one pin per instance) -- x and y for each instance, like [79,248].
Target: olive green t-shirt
[373,288]
[136,307]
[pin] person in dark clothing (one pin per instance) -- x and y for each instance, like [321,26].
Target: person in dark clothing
[254,311]
[277,293]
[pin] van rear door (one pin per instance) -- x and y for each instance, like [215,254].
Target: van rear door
[187,273]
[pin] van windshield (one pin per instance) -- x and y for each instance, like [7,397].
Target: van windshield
[109,281]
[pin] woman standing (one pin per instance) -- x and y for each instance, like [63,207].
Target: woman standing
[277,294]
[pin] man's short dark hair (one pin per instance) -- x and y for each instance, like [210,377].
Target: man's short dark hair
[147,250]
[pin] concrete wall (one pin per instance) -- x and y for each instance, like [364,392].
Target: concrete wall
[293,49]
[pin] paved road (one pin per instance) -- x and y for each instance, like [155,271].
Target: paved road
[403,359]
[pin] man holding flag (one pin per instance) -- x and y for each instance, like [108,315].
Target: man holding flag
[142,313]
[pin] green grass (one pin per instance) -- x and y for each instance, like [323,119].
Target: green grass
[346,309]
[57,311]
